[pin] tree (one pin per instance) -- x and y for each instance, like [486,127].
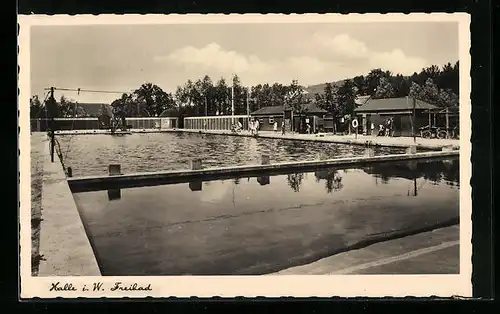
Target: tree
[261,96]
[430,93]
[372,81]
[329,102]
[401,85]
[448,98]
[69,108]
[360,83]
[278,93]
[239,96]
[384,89]
[415,90]
[346,97]
[35,107]
[449,77]
[294,99]
[182,97]
[52,108]
[152,99]
[222,97]
[125,106]
[432,72]
[208,94]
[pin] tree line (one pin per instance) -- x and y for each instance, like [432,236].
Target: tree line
[434,84]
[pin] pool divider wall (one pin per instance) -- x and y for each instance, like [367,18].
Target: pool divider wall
[78,184]
[64,244]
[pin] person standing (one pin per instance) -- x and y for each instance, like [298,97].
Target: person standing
[380,130]
[283,127]
[257,126]
[391,126]
[275,127]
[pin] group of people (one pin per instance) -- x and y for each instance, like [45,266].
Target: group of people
[237,127]
[283,127]
[385,129]
[254,126]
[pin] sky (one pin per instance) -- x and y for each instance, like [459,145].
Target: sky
[122,57]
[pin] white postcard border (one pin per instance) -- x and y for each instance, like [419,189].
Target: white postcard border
[252,286]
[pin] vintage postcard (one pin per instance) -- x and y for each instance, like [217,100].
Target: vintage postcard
[245,155]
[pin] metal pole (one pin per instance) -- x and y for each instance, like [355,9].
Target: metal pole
[248,108]
[52,143]
[447,123]
[248,98]
[232,104]
[52,127]
[414,119]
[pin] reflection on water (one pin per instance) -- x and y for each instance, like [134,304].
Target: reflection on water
[91,154]
[242,226]
[446,171]
[114,194]
[332,177]
[295,180]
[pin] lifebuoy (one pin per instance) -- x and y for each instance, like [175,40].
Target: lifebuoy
[355,123]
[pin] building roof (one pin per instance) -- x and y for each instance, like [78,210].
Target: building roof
[268,110]
[277,110]
[361,100]
[393,104]
[172,112]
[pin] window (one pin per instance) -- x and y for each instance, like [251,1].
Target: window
[271,120]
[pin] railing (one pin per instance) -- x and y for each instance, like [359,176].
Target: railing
[215,122]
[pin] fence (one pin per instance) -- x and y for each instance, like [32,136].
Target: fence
[40,125]
[214,122]
[153,123]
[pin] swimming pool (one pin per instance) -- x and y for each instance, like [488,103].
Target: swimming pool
[259,225]
[91,154]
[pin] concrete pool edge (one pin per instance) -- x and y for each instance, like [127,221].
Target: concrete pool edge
[165,177]
[64,244]
[377,254]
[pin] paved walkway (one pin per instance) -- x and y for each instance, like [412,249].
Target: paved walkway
[435,252]
[38,142]
[349,139]
[64,244]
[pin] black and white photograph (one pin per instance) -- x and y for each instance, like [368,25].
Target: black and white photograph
[245,155]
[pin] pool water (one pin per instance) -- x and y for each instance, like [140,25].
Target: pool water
[260,225]
[91,154]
